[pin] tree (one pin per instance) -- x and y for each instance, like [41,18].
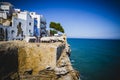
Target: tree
[52,32]
[56,27]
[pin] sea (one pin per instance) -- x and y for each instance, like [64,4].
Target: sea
[96,59]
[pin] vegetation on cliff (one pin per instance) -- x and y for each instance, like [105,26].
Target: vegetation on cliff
[55,28]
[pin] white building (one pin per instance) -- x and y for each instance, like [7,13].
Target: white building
[22,26]
[43,30]
[6,10]
[41,23]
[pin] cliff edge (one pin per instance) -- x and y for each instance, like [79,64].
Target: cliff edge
[20,60]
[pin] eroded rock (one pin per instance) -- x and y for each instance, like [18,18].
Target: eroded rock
[20,60]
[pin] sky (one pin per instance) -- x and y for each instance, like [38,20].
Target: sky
[80,18]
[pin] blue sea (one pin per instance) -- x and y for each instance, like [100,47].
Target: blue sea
[96,59]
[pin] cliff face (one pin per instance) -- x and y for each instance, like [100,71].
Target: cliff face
[20,60]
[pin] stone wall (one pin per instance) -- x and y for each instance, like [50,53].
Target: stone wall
[18,58]
[8,61]
[35,58]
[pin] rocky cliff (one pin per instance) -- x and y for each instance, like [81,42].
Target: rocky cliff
[20,60]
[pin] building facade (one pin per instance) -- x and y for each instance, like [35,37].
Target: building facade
[3,33]
[17,25]
[6,10]
[22,26]
[39,24]
[43,31]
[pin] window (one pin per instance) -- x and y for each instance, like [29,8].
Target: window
[19,24]
[1,31]
[12,31]
[29,23]
[19,29]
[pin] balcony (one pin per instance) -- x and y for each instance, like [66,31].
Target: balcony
[42,26]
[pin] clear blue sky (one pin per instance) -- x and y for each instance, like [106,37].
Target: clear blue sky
[80,18]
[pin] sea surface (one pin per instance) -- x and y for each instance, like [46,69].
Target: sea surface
[96,59]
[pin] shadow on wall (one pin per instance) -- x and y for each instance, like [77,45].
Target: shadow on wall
[59,51]
[9,64]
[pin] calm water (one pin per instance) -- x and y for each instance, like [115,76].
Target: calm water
[96,59]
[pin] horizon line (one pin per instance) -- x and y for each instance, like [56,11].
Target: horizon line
[95,38]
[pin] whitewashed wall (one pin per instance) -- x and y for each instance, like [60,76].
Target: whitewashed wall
[27,25]
[34,15]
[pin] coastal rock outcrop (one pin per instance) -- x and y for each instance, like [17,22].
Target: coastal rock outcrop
[20,60]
